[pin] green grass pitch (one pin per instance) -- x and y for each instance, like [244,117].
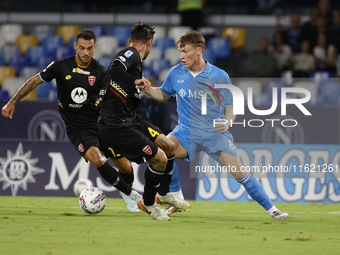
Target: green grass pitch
[56,225]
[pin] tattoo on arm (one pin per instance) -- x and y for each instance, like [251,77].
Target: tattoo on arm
[25,89]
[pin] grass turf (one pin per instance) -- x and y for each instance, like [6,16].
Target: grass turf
[56,225]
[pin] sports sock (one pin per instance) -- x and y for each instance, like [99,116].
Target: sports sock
[128,178]
[272,210]
[152,182]
[256,191]
[166,179]
[112,176]
[175,184]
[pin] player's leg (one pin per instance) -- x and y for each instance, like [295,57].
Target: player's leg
[164,195]
[169,148]
[180,152]
[175,189]
[87,144]
[153,175]
[108,172]
[251,184]
[132,143]
[126,172]
[125,169]
[175,185]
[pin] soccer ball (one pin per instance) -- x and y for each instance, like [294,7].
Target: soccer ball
[80,185]
[92,200]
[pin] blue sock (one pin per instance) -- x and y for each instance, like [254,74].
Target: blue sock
[175,184]
[256,191]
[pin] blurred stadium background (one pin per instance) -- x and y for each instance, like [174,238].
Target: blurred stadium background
[256,42]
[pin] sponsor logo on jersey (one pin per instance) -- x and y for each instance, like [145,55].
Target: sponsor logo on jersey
[122,58]
[79,95]
[80,148]
[81,71]
[147,150]
[210,94]
[92,79]
[128,53]
[182,93]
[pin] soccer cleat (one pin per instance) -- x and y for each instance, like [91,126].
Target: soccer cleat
[170,199]
[135,196]
[170,210]
[154,210]
[131,202]
[279,215]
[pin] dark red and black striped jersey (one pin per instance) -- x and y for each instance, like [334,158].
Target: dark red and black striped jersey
[78,90]
[122,96]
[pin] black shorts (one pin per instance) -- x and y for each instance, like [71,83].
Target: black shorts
[83,140]
[133,140]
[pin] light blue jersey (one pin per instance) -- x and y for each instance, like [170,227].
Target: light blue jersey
[195,130]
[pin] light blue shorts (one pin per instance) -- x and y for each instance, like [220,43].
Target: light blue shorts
[212,143]
[195,141]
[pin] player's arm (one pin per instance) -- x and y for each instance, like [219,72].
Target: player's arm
[157,94]
[230,117]
[8,110]
[118,73]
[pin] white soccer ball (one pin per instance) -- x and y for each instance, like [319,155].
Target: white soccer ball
[92,200]
[80,185]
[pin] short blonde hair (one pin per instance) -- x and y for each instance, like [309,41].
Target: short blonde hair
[191,37]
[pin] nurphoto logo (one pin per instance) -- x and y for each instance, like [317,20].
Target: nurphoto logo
[287,98]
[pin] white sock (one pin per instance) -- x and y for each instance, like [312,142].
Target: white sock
[272,210]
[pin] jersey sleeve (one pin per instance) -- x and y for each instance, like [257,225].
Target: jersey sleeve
[167,86]
[49,73]
[127,58]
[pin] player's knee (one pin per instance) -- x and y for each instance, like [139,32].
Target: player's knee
[123,165]
[126,169]
[97,161]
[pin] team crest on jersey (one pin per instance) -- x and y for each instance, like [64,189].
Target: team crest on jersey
[80,148]
[92,79]
[147,150]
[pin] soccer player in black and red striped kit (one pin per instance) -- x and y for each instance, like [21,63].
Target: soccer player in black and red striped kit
[123,133]
[79,84]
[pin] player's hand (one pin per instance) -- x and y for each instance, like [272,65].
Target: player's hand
[221,127]
[144,84]
[8,110]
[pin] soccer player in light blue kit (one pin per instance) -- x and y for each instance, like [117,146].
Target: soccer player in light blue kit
[193,82]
